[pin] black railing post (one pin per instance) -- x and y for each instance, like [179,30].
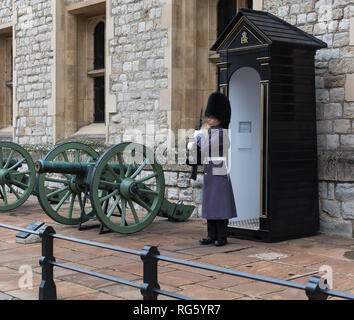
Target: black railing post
[313,288]
[47,288]
[149,273]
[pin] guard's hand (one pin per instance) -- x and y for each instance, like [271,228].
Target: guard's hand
[197,133]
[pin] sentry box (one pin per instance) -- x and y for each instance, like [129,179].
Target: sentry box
[267,69]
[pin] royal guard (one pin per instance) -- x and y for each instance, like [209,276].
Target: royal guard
[218,205]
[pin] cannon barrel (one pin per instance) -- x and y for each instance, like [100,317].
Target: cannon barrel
[42,166]
[79,168]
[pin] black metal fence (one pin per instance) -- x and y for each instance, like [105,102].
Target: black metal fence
[316,288]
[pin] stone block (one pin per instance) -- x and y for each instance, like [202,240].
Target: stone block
[341,66]
[340,39]
[320,28]
[183,180]
[351,31]
[302,18]
[336,227]
[330,53]
[332,208]
[336,95]
[321,141]
[343,25]
[258,4]
[348,210]
[322,190]
[170,178]
[347,141]
[332,141]
[348,110]
[344,191]
[172,193]
[324,126]
[327,165]
[332,110]
[349,87]
[346,169]
[311,17]
[322,95]
[186,195]
[198,195]
[342,126]
[337,14]
[331,190]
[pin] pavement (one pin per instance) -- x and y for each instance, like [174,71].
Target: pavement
[294,260]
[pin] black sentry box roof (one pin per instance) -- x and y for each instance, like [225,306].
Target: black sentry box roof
[268,29]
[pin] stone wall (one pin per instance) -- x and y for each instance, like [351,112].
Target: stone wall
[179,187]
[33,66]
[330,20]
[5,11]
[138,68]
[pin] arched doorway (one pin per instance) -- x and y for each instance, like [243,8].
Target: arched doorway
[246,141]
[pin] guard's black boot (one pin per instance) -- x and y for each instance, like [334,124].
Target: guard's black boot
[219,243]
[206,240]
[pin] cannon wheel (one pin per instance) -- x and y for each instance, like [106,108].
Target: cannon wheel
[61,196]
[17,175]
[117,209]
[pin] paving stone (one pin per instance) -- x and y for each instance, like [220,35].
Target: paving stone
[304,259]
[272,269]
[255,289]
[123,292]
[286,294]
[225,281]
[94,296]
[73,256]
[227,259]
[69,290]
[204,293]
[180,278]
[338,266]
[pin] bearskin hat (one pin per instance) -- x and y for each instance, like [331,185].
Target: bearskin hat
[219,107]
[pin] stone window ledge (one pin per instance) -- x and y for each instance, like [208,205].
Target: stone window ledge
[6,133]
[92,129]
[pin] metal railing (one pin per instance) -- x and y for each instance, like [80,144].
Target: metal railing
[315,289]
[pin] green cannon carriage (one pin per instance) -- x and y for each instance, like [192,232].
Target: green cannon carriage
[124,187]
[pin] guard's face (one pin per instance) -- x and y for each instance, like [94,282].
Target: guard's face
[212,122]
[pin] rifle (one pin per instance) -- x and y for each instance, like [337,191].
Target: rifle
[195,166]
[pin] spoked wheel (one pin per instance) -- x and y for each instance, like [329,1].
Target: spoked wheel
[63,195]
[17,175]
[127,187]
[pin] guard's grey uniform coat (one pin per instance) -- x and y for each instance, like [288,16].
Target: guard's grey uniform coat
[218,198]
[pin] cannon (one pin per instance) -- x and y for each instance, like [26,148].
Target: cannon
[17,175]
[124,187]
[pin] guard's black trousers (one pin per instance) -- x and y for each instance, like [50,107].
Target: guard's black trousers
[217,229]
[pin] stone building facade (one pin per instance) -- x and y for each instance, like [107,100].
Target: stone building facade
[158,72]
